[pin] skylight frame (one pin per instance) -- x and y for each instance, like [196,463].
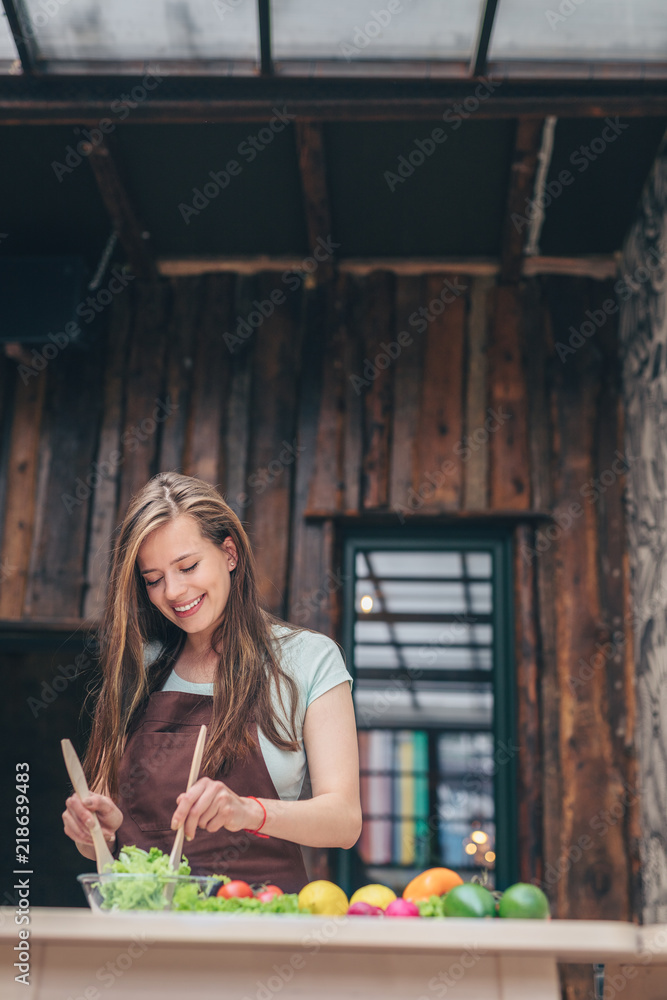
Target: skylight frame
[29,61]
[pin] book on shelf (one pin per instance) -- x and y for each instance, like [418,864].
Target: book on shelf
[380,755]
[363,844]
[404,798]
[394,797]
[422,803]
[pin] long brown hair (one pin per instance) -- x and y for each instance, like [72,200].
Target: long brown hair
[248,665]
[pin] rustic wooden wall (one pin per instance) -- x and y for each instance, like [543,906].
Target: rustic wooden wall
[309,419]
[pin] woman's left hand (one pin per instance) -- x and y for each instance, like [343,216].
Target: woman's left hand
[211,805]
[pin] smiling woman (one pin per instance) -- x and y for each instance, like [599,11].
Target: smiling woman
[271,694]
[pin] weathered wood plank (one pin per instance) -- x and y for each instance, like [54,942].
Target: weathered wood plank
[20,510]
[186,297]
[508,447]
[376,386]
[539,360]
[439,446]
[326,463]
[71,422]
[237,436]
[529,765]
[146,409]
[7,379]
[594,879]
[40,500]
[612,464]
[476,466]
[210,381]
[551,784]
[273,445]
[109,452]
[351,319]
[410,294]
[311,577]
[543,563]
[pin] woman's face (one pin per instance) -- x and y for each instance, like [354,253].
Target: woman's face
[187,576]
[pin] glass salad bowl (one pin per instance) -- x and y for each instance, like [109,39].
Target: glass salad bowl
[126,891]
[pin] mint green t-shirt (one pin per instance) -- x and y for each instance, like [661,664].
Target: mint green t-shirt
[315,663]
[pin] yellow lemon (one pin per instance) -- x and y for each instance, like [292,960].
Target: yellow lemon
[375,895]
[323,897]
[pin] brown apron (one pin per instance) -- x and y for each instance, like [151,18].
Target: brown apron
[154,771]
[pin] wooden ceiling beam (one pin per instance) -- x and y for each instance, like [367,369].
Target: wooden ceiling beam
[17,18]
[599,266]
[132,236]
[312,168]
[522,180]
[86,100]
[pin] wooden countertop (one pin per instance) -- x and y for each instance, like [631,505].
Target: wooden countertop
[566,940]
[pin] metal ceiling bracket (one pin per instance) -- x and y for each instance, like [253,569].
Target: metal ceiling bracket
[481,49]
[21,29]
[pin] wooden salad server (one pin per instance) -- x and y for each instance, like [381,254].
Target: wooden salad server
[177,849]
[79,784]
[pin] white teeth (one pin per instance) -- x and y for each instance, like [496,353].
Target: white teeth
[186,607]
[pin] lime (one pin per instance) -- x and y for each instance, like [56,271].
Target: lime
[525,901]
[324,898]
[469,900]
[376,895]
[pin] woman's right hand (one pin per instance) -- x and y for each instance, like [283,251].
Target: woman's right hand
[78,818]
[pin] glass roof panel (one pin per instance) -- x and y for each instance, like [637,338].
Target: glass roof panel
[590,30]
[127,30]
[456,708]
[412,657]
[415,563]
[7,47]
[423,564]
[398,29]
[412,31]
[425,597]
[426,634]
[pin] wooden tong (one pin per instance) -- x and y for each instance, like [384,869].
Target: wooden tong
[102,853]
[177,849]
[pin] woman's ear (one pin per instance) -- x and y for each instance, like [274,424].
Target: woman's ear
[230,550]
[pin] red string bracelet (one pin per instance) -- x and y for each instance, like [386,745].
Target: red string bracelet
[256,832]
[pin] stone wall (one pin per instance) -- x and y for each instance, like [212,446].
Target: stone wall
[643,336]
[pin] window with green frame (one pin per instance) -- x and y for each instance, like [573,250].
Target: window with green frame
[428,637]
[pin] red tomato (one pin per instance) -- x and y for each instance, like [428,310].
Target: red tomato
[236,888]
[268,893]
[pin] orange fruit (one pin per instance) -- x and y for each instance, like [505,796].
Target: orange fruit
[432,882]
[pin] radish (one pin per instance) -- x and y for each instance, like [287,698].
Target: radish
[361,909]
[402,908]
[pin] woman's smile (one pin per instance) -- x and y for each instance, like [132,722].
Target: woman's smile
[186,610]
